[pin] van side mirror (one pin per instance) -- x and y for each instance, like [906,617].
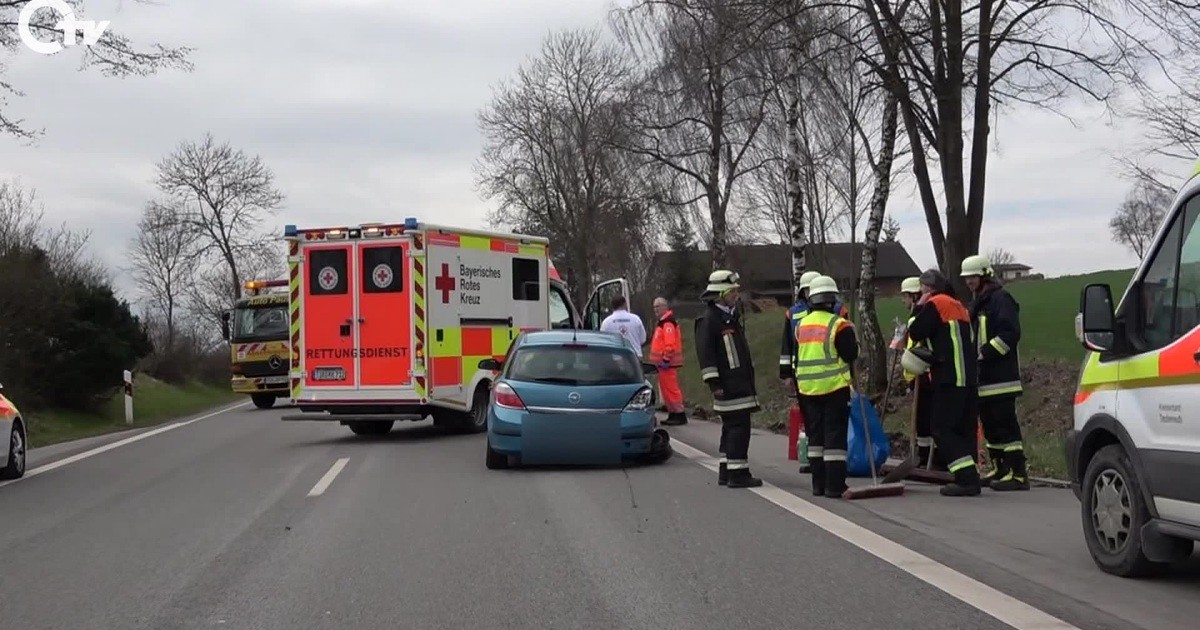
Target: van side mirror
[225,325]
[490,364]
[1096,325]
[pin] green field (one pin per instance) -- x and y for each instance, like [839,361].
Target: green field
[154,402]
[1049,352]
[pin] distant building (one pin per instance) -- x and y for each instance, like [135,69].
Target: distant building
[1011,272]
[766,270]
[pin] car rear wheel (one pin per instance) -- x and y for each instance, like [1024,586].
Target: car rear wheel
[496,460]
[371,427]
[15,469]
[263,401]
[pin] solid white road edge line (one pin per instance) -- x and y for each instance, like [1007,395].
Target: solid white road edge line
[1007,609]
[334,471]
[118,444]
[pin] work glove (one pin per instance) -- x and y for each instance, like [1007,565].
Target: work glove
[664,365]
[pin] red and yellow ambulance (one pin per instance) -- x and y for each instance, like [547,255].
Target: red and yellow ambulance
[390,321]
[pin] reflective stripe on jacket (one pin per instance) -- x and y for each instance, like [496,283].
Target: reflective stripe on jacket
[996,317]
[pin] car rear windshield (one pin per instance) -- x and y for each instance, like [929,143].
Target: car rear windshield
[575,365]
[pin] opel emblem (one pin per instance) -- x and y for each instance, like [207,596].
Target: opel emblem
[573,397]
[275,362]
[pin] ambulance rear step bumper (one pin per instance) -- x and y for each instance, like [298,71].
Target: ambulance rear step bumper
[344,418]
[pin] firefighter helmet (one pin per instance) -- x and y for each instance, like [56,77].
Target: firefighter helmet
[911,285]
[916,360]
[977,265]
[807,277]
[822,290]
[720,282]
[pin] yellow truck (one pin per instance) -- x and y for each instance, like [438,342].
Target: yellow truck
[257,331]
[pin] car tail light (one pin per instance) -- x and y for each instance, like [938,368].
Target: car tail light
[504,396]
[640,400]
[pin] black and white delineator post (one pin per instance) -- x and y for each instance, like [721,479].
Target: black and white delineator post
[128,397]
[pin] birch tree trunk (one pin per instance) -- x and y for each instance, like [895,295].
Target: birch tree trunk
[873,349]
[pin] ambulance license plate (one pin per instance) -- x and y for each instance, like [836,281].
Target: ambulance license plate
[329,374]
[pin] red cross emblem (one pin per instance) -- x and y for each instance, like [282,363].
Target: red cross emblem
[445,283]
[328,278]
[383,276]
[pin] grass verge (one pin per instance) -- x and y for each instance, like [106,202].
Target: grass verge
[154,402]
[1050,359]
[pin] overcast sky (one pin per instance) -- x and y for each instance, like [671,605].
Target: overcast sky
[365,110]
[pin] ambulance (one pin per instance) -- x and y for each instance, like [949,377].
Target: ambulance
[257,331]
[391,321]
[1133,453]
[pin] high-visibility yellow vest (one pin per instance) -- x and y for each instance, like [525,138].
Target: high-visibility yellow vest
[819,370]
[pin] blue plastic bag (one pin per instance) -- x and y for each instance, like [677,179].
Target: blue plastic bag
[857,464]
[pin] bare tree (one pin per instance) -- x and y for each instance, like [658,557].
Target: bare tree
[891,229]
[162,262]
[954,65]
[702,97]
[223,195]
[1138,217]
[22,223]
[115,55]
[551,160]
[1000,256]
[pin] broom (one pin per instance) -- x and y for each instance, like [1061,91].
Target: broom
[875,489]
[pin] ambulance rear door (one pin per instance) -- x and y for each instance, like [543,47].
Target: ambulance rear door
[328,306]
[384,325]
[599,306]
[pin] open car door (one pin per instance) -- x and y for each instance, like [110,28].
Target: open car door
[599,305]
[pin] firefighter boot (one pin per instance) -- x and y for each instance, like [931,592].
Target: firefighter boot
[817,466]
[966,483]
[675,418]
[835,479]
[741,478]
[722,474]
[1016,477]
[999,467]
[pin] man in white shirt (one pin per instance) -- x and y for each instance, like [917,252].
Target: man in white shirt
[625,324]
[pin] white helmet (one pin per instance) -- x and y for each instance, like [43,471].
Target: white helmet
[807,277]
[977,265]
[719,282]
[822,289]
[911,285]
[916,360]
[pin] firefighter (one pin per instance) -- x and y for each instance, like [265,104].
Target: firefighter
[787,349]
[825,349]
[728,371]
[944,324]
[995,316]
[666,351]
[910,294]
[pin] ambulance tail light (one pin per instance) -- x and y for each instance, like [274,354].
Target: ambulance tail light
[505,396]
[335,234]
[419,353]
[236,368]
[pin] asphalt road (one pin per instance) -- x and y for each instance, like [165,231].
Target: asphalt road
[243,521]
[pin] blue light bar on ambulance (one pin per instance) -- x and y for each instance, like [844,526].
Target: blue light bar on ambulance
[410,223]
[289,230]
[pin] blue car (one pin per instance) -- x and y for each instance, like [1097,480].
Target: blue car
[572,397]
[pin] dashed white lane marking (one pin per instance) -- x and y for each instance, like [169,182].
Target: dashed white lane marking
[1007,609]
[334,471]
[66,461]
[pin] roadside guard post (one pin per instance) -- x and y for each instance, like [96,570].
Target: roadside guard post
[128,397]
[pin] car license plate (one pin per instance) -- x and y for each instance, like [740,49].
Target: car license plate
[329,374]
[275,380]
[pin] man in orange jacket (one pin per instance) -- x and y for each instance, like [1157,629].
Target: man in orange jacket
[666,351]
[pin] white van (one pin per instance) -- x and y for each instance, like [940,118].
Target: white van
[1134,450]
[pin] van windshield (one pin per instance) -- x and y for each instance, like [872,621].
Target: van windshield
[575,365]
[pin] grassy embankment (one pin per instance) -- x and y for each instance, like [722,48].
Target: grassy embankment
[154,402]
[1050,358]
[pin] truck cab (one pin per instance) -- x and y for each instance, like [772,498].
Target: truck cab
[257,331]
[1133,452]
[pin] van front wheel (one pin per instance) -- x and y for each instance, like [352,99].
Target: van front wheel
[1114,512]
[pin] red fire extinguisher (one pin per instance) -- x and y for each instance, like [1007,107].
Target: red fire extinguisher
[795,429]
